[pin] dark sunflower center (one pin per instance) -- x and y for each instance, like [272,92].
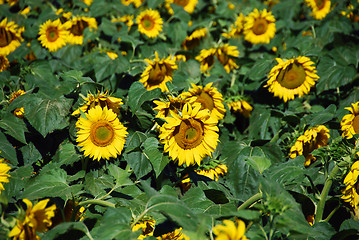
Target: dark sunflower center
[148,229]
[79,27]
[148,23]
[182,3]
[292,77]
[189,134]
[52,34]
[5,37]
[260,26]
[157,74]
[102,134]
[356,124]
[206,101]
[320,3]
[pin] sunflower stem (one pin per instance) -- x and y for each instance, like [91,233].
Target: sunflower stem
[98,202]
[313,31]
[331,214]
[250,201]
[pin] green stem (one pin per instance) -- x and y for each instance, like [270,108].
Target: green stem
[331,214]
[250,201]
[98,202]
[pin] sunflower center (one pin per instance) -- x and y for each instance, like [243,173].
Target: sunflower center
[182,3]
[189,134]
[148,23]
[157,74]
[206,101]
[319,3]
[292,77]
[5,37]
[356,124]
[78,28]
[102,134]
[52,34]
[260,26]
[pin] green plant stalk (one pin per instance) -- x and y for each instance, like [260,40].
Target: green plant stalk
[98,202]
[250,201]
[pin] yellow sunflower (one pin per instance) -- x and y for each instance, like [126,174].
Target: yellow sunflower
[188,5]
[320,8]
[18,112]
[87,2]
[225,56]
[241,106]
[189,136]
[259,27]
[230,230]
[312,139]
[127,19]
[76,28]
[158,72]
[4,63]
[292,77]
[150,23]
[4,176]
[350,122]
[147,227]
[53,35]
[206,57]
[193,40]
[100,134]
[174,104]
[236,30]
[10,37]
[213,172]
[174,235]
[209,98]
[350,193]
[102,100]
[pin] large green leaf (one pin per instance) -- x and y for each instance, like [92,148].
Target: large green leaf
[60,230]
[156,157]
[66,154]
[7,150]
[96,182]
[14,126]
[137,95]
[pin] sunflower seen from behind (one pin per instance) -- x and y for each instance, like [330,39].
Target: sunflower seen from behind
[259,27]
[206,58]
[10,36]
[230,230]
[76,28]
[320,8]
[53,35]
[150,23]
[350,122]
[292,77]
[100,135]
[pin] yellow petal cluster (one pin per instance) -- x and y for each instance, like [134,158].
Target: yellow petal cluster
[241,106]
[147,227]
[53,35]
[76,27]
[4,176]
[188,5]
[174,235]
[193,40]
[230,230]
[320,9]
[236,29]
[10,36]
[4,63]
[350,122]
[350,193]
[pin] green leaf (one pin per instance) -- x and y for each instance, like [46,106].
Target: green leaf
[259,163]
[7,150]
[30,154]
[121,176]
[17,181]
[66,155]
[96,183]
[65,227]
[139,163]
[137,95]
[14,127]
[156,157]
[260,69]
[134,141]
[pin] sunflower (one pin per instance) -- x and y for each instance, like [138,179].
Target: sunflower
[147,227]
[188,5]
[213,172]
[224,54]
[76,28]
[350,122]
[259,27]
[10,37]
[312,139]
[127,19]
[230,230]
[236,30]
[241,106]
[4,63]
[87,2]
[193,40]
[174,235]
[206,58]
[189,136]
[174,104]
[102,100]
[4,176]
[350,193]
[100,134]
[209,98]
[66,213]
[149,23]
[53,35]
[320,8]
[292,77]
[158,72]
[18,112]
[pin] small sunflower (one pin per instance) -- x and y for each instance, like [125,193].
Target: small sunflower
[147,227]
[236,30]
[4,176]
[174,104]
[225,56]
[127,19]
[350,122]
[350,193]
[241,106]
[100,134]
[292,77]
[188,5]
[174,235]
[312,139]
[10,37]
[150,23]
[209,98]
[189,136]
[4,63]
[193,40]
[259,27]
[18,112]
[230,230]
[53,35]
[76,28]
[213,172]
[158,72]
[320,8]
[206,57]
[102,100]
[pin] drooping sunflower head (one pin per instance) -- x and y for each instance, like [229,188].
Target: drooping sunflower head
[350,122]
[4,63]
[4,176]
[53,35]
[320,8]
[100,134]
[225,56]
[188,5]
[158,72]
[76,28]
[206,57]
[147,226]
[174,104]
[193,40]
[312,139]
[240,106]
[209,97]
[292,77]
[236,30]
[212,170]
[259,27]
[10,37]
[350,193]
[174,235]
[230,230]
[189,136]
[150,23]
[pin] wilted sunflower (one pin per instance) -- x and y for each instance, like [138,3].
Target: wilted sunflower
[320,8]
[76,28]
[230,230]
[53,35]
[189,136]
[147,227]
[150,23]
[350,193]
[206,57]
[100,134]
[259,27]
[174,104]
[102,100]
[188,5]
[236,30]
[158,72]
[292,77]
[225,56]
[194,39]
[312,139]
[4,176]
[10,37]
[174,235]
[350,122]
[241,106]
[209,98]
[4,63]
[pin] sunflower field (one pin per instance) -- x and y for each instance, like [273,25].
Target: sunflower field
[179,119]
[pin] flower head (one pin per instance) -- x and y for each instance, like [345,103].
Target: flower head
[76,28]
[147,227]
[4,176]
[350,122]
[236,30]
[53,35]
[320,8]
[241,106]
[188,5]
[350,193]
[174,104]
[18,112]
[4,63]
[174,235]
[10,37]
[206,57]
[150,23]
[225,56]
[194,39]
[230,230]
